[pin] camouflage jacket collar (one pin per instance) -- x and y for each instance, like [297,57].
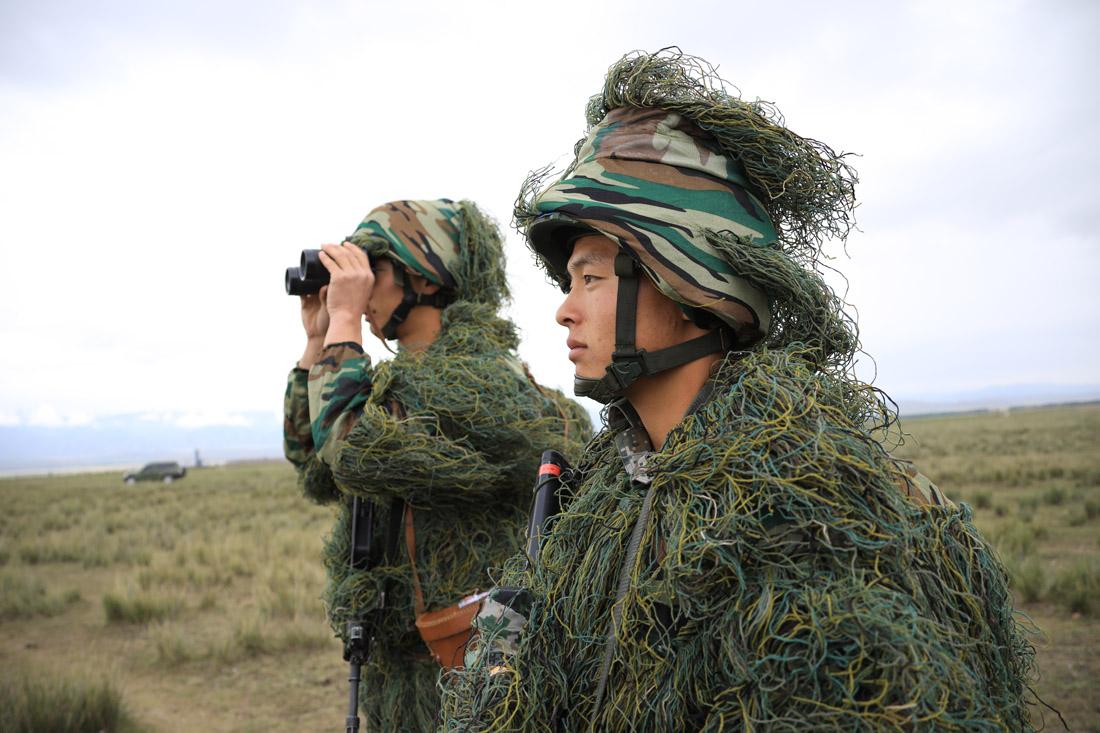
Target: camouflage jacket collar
[631,438]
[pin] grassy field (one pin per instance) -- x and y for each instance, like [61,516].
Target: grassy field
[194,606]
[196,602]
[1033,480]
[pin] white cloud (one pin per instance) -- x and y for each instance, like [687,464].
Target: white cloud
[172,165]
[156,417]
[208,419]
[49,416]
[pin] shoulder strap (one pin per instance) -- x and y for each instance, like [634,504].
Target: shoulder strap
[410,545]
[410,531]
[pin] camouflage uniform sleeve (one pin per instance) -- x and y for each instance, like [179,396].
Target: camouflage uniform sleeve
[339,385]
[297,433]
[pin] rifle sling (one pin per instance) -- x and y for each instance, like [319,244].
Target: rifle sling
[410,545]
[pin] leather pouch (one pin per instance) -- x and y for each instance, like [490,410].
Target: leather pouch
[447,630]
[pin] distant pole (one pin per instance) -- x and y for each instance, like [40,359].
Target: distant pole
[198,461]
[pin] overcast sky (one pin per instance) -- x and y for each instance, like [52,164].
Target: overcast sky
[161,164]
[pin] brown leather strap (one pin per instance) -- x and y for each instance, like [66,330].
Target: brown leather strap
[410,544]
[410,532]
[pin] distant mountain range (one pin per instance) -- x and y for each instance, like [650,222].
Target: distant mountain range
[997,398]
[120,441]
[129,440]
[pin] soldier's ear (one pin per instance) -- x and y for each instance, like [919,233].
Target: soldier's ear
[422,285]
[701,318]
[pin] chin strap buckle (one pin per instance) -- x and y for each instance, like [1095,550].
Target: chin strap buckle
[625,369]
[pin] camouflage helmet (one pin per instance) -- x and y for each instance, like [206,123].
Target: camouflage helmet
[453,245]
[712,198]
[652,182]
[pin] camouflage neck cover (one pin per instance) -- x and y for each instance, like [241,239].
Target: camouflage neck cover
[656,184]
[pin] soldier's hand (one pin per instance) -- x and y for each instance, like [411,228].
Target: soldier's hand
[315,314]
[351,282]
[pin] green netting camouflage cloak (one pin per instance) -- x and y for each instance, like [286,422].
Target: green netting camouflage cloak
[453,431]
[770,566]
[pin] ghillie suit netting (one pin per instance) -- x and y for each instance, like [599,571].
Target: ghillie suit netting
[463,458]
[462,453]
[782,571]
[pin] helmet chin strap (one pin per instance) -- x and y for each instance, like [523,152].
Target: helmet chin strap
[628,362]
[409,300]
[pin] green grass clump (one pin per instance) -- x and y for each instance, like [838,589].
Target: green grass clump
[172,647]
[982,500]
[1015,539]
[33,705]
[1028,578]
[1055,496]
[26,597]
[254,636]
[1078,587]
[138,609]
[49,553]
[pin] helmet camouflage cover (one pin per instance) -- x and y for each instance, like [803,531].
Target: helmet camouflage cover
[723,207]
[649,180]
[453,245]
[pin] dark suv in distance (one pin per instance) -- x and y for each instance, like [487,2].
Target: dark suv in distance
[166,472]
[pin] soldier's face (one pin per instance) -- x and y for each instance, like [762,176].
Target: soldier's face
[588,311]
[385,296]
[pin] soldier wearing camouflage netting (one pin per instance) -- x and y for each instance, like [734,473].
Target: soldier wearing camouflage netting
[736,550]
[442,438]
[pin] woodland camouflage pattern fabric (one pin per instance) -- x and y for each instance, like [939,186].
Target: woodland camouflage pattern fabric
[422,234]
[452,244]
[297,431]
[648,180]
[770,566]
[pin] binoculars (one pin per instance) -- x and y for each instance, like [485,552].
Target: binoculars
[309,276]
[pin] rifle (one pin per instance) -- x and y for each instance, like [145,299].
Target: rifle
[546,503]
[356,646]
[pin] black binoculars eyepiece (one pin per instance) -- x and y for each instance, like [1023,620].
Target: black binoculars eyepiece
[310,275]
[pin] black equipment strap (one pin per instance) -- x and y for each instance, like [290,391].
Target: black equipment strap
[628,362]
[410,300]
[626,305]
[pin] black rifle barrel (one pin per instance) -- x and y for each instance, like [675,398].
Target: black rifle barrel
[546,503]
[362,533]
[359,558]
[352,725]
